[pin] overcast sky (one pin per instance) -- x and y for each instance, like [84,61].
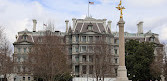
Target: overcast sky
[16,15]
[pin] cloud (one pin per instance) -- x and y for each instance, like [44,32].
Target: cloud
[146,3]
[16,15]
[163,33]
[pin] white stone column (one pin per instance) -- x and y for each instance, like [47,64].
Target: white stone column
[66,21]
[122,71]
[34,25]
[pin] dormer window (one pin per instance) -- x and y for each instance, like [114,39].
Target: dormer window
[90,27]
[24,37]
[152,39]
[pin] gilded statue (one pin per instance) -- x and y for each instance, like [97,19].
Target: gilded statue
[120,7]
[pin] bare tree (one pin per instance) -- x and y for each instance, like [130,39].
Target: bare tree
[156,66]
[165,63]
[48,58]
[103,60]
[6,64]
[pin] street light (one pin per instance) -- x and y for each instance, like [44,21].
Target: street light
[134,77]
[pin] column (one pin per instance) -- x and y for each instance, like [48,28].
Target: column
[122,71]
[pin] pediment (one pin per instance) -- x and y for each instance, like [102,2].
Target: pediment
[90,32]
[23,42]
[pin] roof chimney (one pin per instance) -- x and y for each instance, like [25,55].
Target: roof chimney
[140,27]
[66,21]
[34,25]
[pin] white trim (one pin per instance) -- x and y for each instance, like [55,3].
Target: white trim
[82,26]
[98,28]
[32,38]
[75,26]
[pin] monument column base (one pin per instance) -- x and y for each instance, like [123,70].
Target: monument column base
[122,74]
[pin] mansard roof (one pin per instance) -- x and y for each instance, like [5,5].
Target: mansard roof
[98,25]
[82,27]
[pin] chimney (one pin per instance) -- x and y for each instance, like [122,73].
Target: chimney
[74,22]
[109,24]
[34,25]
[66,21]
[140,27]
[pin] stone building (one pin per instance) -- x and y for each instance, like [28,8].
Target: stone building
[22,46]
[79,39]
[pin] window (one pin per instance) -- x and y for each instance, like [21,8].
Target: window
[18,68]
[77,38]
[90,48]
[77,58]
[29,49]
[115,71]
[24,50]
[23,78]
[19,50]
[116,52]
[77,68]
[18,59]
[91,69]
[152,39]
[83,49]
[76,48]
[84,58]
[84,69]
[24,37]
[83,38]
[90,27]
[24,69]
[116,60]
[90,38]
[29,78]
[97,38]
[70,50]
[91,58]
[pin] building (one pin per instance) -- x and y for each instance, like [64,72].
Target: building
[22,46]
[79,39]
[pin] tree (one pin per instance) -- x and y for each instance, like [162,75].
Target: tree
[6,64]
[103,60]
[165,64]
[48,58]
[139,57]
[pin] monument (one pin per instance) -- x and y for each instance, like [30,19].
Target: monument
[122,71]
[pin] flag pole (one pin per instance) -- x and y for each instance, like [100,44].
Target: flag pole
[88,8]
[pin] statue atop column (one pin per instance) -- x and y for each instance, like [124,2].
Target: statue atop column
[122,71]
[120,7]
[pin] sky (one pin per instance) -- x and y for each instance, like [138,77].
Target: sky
[17,15]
